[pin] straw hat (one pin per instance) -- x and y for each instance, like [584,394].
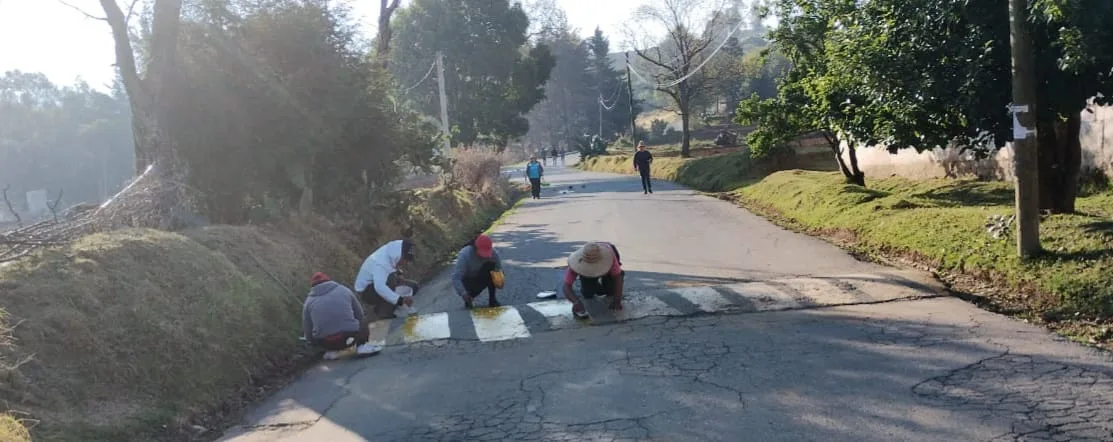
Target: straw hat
[592,260]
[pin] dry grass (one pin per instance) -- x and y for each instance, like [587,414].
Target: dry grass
[477,169]
[12,430]
[130,334]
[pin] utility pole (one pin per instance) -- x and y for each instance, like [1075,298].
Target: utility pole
[630,91]
[444,105]
[1025,142]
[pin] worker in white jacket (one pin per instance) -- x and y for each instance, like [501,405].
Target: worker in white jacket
[378,278]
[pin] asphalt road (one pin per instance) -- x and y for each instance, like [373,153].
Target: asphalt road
[796,341]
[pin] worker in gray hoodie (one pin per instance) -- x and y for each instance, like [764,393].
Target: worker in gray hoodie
[333,319]
[478,268]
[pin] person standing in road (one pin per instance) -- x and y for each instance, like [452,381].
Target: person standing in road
[534,172]
[642,160]
[562,152]
[554,155]
[379,276]
[599,269]
[478,268]
[543,152]
[333,319]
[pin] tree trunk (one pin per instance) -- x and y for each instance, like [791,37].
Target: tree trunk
[833,143]
[1060,162]
[857,177]
[382,45]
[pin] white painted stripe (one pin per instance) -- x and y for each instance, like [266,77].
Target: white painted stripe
[558,312]
[765,297]
[706,298]
[498,324]
[821,292]
[379,330]
[426,328]
[642,306]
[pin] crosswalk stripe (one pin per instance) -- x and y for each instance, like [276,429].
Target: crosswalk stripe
[425,328]
[819,292]
[706,298]
[644,306]
[499,324]
[558,312]
[765,297]
[518,322]
[379,330]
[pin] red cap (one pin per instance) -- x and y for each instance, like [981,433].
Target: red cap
[483,246]
[318,278]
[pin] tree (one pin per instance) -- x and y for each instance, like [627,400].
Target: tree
[933,73]
[570,100]
[815,96]
[493,76]
[676,61]
[382,41]
[610,86]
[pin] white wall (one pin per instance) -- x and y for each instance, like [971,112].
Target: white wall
[1096,136]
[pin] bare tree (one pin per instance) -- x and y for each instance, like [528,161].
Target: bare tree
[691,34]
[382,43]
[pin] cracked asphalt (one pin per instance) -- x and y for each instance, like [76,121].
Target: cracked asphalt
[933,369]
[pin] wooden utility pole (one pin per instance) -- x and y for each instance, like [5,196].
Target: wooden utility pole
[444,105]
[1025,142]
[630,91]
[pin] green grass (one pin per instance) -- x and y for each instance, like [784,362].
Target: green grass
[709,174]
[942,222]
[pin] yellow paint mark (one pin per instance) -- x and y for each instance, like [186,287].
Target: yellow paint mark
[488,312]
[409,328]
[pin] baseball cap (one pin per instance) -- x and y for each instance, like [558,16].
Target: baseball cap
[318,278]
[483,246]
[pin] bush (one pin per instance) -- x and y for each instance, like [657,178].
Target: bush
[476,169]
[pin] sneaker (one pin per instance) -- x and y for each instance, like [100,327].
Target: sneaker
[332,355]
[580,313]
[368,349]
[493,303]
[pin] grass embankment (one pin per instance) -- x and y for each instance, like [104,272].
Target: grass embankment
[942,224]
[141,334]
[710,169]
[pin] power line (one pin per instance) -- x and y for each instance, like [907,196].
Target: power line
[431,67]
[693,71]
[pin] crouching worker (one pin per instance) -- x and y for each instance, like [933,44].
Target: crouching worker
[599,269]
[333,319]
[379,277]
[478,268]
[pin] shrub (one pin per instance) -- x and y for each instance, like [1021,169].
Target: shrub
[476,169]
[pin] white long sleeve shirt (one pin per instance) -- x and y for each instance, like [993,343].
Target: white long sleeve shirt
[377,268]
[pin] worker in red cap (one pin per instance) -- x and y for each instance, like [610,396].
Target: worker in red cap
[333,319]
[478,268]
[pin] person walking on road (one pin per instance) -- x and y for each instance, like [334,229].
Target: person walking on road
[562,152]
[554,154]
[379,278]
[534,172]
[478,268]
[599,269]
[333,319]
[642,160]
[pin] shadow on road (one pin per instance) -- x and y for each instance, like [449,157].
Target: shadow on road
[857,374]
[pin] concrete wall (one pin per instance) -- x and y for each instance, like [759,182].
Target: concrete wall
[1097,152]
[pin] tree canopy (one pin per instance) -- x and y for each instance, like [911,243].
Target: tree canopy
[923,74]
[493,74]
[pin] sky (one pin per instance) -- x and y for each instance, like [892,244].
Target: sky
[50,37]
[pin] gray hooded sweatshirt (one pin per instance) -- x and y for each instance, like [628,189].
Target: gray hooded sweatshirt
[329,309]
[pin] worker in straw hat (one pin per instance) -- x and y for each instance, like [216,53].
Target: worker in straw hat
[333,319]
[478,268]
[599,269]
